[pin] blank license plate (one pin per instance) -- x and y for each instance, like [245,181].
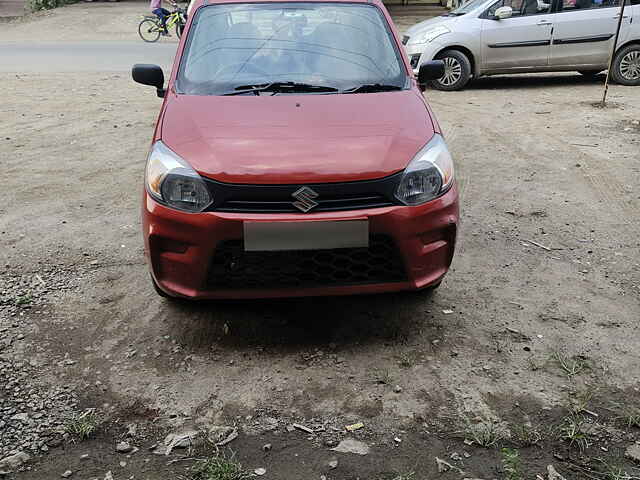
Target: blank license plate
[274,236]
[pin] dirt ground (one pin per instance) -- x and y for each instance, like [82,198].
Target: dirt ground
[544,295]
[12,8]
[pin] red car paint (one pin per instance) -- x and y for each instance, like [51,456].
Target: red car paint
[295,140]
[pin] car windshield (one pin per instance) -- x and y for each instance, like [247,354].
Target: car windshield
[467,7]
[314,48]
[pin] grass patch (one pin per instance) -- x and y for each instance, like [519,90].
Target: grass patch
[405,476]
[83,425]
[219,467]
[571,366]
[532,365]
[630,416]
[575,430]
[614,470]
[383,377]
[511,464]
[24,300]
[579,402]
[36,5]
[486,433]
[405,361]
[526,435]
[399,476]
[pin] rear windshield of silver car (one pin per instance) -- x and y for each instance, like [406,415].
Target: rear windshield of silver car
[332,47]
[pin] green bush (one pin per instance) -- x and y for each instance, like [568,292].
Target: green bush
[36,5]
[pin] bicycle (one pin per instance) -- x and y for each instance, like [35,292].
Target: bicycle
[150,28]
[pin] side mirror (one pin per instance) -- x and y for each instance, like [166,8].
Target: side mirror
[503,13]
[432,70]
[149,75]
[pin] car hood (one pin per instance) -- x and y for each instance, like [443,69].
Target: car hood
[430,23]
[297,138]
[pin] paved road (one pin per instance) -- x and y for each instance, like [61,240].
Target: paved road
[83,57]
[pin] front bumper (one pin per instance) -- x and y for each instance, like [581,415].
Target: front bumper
[180,247]
[425,52]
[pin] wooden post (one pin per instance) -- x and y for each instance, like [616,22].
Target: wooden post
[613,53]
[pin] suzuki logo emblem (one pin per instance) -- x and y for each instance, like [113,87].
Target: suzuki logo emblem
[304,197]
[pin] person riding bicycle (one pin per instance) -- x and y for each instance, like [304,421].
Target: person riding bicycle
[162,14]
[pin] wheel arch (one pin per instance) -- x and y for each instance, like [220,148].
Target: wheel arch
[618,76]
[635,41]
[464,50]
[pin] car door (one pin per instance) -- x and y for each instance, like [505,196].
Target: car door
[520,42]
[583,32]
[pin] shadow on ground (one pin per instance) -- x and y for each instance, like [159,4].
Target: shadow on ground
[308,322]
[534,81]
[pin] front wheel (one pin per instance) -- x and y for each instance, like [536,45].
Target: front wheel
[457,71]
[149,30]
[179,29]
[626,66]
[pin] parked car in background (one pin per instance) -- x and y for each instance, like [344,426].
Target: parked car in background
[488,37]
[295,155]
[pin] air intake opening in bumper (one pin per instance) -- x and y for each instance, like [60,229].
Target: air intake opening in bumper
[233,268]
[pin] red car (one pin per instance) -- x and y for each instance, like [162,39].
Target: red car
[294,155]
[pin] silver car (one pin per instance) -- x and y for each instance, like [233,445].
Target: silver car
[488,37]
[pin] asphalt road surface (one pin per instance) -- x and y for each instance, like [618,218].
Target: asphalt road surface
[83,57]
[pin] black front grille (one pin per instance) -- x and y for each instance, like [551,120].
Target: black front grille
[232,267]
[331,197]
[324,204]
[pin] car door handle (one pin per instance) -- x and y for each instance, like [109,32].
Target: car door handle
[543,23]
[618,16]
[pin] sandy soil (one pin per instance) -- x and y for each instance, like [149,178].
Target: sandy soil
[547,263]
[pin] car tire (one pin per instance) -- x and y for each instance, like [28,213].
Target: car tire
[626,66]
[589,73]
[457,71]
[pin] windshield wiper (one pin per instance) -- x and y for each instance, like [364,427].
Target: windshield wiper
[279,87]
[372,88]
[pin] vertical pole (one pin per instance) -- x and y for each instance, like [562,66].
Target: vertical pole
[613,53]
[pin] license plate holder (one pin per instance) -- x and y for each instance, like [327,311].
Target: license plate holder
[308,235]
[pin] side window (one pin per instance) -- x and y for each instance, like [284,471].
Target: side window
[516,5]
[574,5]
[521,7]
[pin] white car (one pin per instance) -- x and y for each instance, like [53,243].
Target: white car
[488,37]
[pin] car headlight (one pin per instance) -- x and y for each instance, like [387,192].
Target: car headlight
[171,181]
[429,175]
[429,35]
